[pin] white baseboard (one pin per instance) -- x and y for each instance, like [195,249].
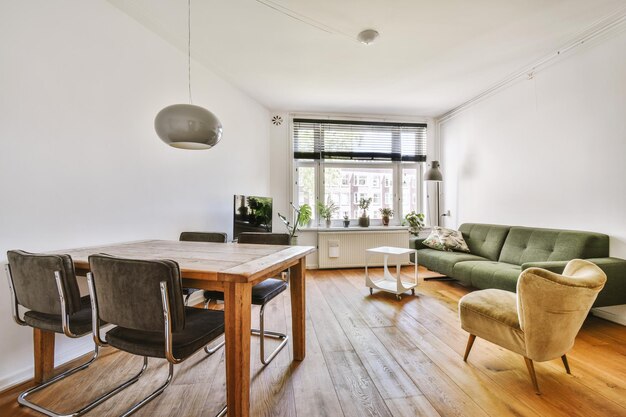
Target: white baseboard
[78,348]
[616,314]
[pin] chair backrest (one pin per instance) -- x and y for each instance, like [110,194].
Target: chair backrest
[553,307]
[35,285]
[216,237]
[264,238]
[128,294]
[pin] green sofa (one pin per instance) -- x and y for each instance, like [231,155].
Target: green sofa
[498,254]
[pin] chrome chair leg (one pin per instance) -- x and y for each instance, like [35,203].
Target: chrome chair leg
[23,401]
[262,333]
[214,349]
[154,394]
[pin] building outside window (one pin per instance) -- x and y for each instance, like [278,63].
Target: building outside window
[345,161]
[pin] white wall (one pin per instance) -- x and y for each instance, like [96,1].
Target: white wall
[546,152]
[80,163]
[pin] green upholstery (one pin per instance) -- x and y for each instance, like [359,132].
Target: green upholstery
[484,240]
[489,274]
[500,253]
[614,291]
[525,244]
[443,262]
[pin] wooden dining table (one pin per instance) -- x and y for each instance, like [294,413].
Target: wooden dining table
[228,267]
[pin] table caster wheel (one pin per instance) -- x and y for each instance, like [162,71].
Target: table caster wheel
[371,291]
[412,291]
[398,297]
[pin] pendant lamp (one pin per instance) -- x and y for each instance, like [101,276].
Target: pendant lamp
[187,126]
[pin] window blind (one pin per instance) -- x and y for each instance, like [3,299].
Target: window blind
[356,140]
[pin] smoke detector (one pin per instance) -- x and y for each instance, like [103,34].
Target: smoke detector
[367,36]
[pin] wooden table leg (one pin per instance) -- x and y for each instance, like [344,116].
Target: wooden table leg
[237,306]
[297,283]
[43,346]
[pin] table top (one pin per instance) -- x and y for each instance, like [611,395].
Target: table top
[232,262]
[390,250]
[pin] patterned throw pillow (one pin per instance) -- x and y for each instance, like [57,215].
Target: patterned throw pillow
[441,238]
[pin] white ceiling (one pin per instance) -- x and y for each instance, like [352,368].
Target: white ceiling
[431,55]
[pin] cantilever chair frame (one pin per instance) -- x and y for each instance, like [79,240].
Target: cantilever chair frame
[65,322]
[261,332]
[169,354]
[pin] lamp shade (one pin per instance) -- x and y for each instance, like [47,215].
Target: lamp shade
[186,126]
[433,173]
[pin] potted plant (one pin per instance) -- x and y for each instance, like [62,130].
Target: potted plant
[386,213]
[415,222]
[364,204]
[326,211]
[303,217]
[346,219]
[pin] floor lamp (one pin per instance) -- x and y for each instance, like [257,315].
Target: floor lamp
[433,174]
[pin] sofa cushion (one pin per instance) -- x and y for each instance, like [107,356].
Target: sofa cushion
[525,244]
[443,262]
[442,238]
[481,274]
[484,240]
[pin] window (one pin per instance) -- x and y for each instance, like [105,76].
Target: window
[345,161]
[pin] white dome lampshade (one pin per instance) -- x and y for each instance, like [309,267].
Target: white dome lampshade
[186,126]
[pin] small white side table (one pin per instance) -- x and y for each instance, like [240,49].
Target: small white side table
[389,283]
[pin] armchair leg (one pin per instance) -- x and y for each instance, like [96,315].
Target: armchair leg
[564,359]
[470,343]
[533,376]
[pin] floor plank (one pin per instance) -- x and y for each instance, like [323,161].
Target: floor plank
[368,356]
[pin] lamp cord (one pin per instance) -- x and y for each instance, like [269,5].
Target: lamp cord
[189,48]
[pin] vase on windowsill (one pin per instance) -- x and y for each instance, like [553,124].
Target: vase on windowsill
[364,221]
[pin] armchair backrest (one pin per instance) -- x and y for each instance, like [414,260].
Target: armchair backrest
[34,283]
[553,307]
[128,293]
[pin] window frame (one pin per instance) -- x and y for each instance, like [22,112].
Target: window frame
[319,188]
[397,168]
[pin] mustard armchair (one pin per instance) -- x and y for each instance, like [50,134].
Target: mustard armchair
[542,320]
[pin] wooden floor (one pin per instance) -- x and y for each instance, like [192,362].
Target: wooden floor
[371,356]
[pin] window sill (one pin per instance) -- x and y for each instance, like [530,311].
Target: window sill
[355,228]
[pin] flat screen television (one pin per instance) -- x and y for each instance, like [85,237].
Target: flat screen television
[252,214]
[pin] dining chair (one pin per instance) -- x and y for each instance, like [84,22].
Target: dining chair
[46,285]
[213,237]
[143,300]
[263,292]
[541,320]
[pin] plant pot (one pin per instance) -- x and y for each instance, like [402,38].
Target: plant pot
[328,222]
[385,221]
[294,241]
[364,221]
[346,223]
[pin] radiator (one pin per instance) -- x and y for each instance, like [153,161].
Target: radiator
[346,249]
